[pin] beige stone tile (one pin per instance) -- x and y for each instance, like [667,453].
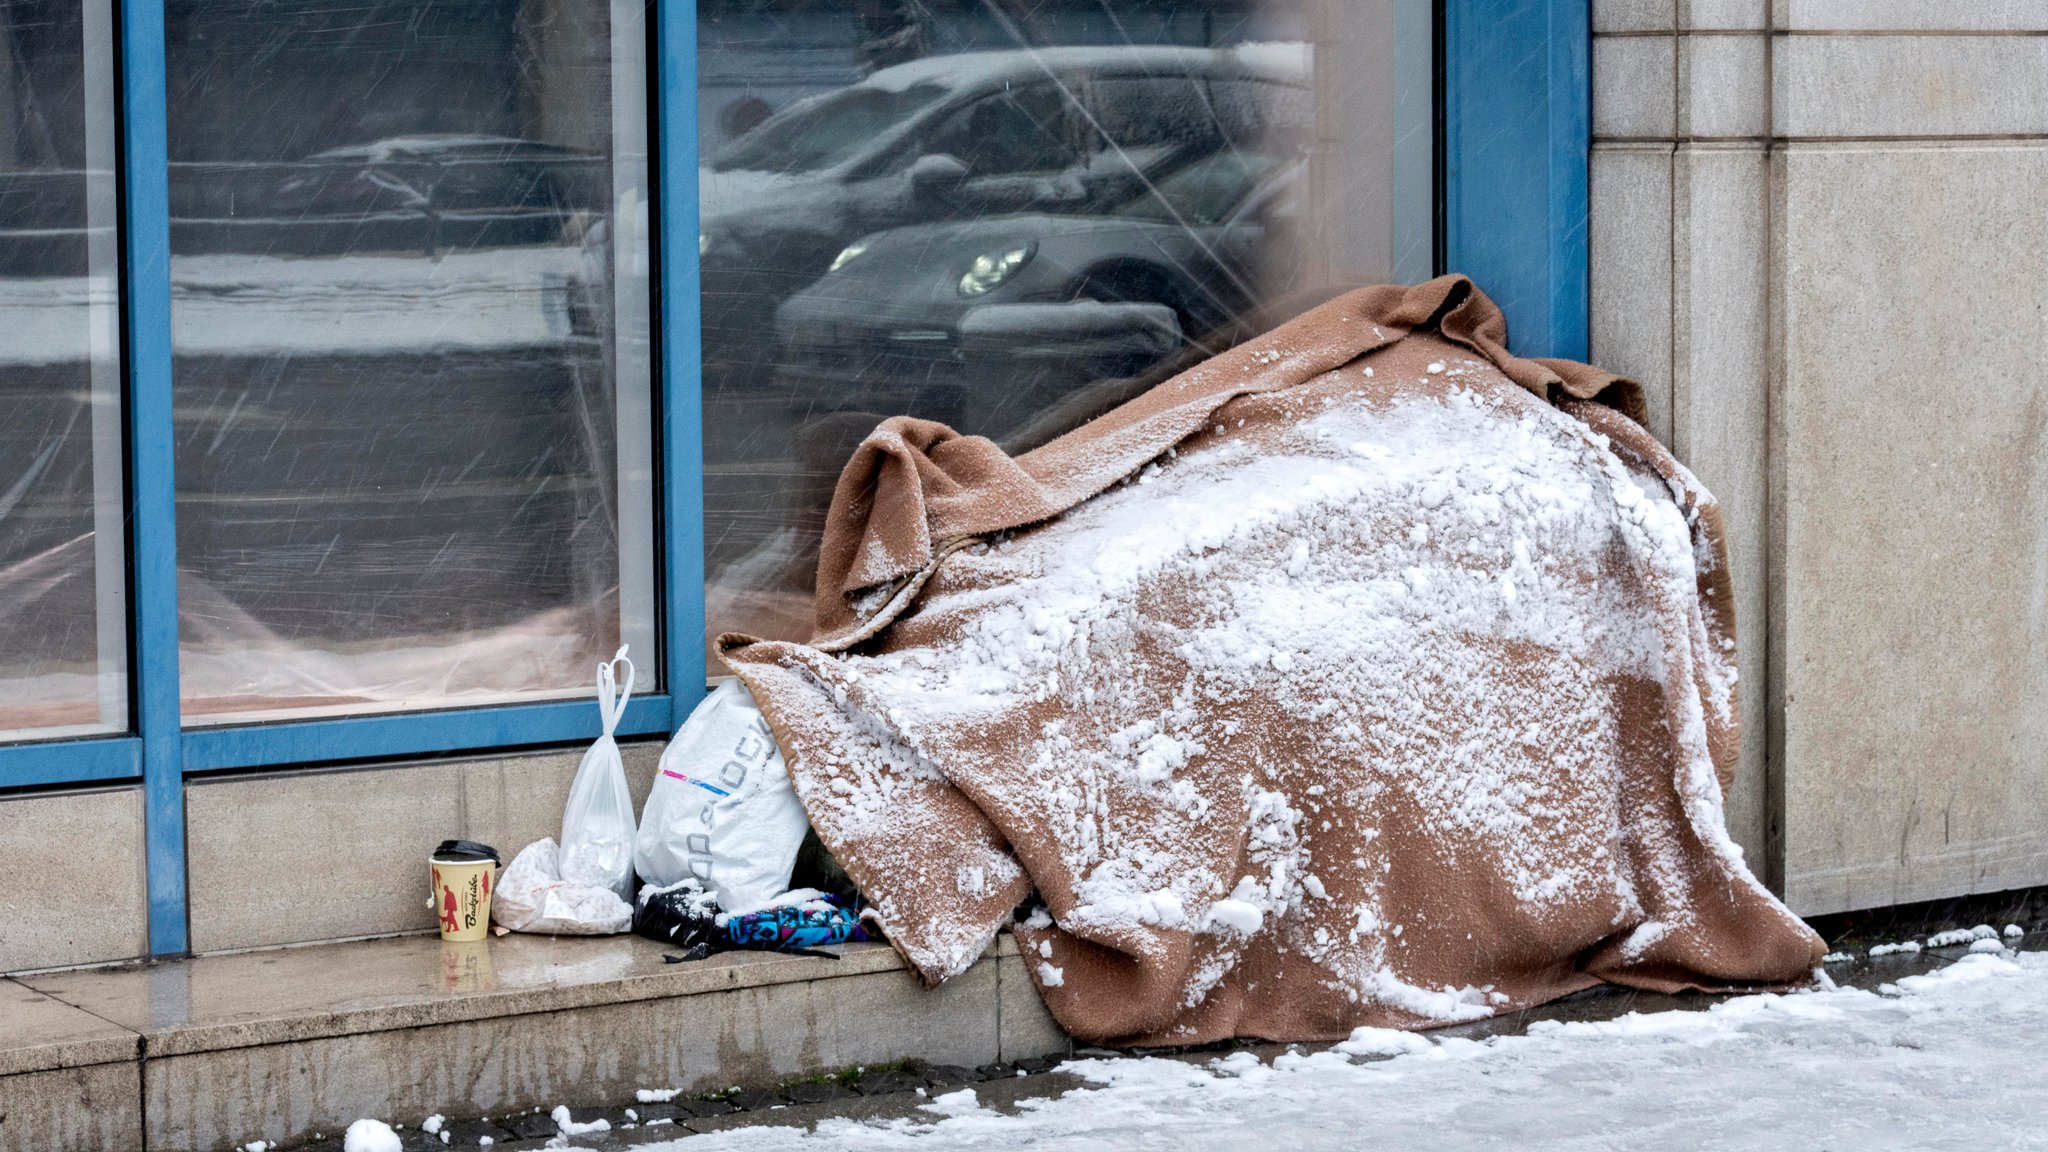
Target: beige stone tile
[1633,15]
[1721,409]
[43,1033]
[1629,246]
[1917,15]
[370,831]
[286,994]
[1717,14]
[1632,86]
[1721,86]
[301,856]
[1913,505]
[1860,86]
[77,896]
[509,802]
[1027,1027]
[595,1056]
[97,1108]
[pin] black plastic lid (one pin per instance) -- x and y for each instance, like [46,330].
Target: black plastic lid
[467,850]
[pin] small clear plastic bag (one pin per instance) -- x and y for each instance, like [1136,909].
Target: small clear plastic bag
[597,823]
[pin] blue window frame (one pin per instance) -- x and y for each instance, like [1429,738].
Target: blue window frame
[1514,95]
[1517,98]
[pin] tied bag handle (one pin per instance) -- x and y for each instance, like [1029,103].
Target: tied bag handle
[611,698]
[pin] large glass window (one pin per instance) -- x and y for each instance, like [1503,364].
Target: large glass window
[1011,216]
[411,353]
[63,616]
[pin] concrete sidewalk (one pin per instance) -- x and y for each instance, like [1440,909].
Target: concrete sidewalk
[281,1045]
[290,1045]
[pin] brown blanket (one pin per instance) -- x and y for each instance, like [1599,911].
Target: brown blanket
[1365,674]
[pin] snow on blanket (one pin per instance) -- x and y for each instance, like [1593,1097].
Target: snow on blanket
[1947,1060]
[1345,680]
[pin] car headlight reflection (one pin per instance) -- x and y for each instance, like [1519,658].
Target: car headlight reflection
[847,255]
[991,269]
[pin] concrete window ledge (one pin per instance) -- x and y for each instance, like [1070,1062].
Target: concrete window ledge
[210,1053]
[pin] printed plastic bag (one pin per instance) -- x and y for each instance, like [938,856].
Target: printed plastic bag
[722,811]
[533,897]
[597,824]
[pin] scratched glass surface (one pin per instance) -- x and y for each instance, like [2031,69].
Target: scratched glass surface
[411,357]
[63,614]
[1012,215]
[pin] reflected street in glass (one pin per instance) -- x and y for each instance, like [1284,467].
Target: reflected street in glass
[63,575]
[1010,217]
[411,352]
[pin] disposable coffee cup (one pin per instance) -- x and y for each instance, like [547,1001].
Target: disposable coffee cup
[463,873]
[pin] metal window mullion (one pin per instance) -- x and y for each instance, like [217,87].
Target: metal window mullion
[682,406]
[1517,132]
[152,463]
[208,748]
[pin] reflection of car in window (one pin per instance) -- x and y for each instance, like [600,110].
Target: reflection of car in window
[407,193]
[822,133]
[1202,193]
[1072,131]
[1023,129]
[1017,310]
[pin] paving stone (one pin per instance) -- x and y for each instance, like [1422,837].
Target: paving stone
[995,1071]
[418,1140]
[815,1092]
[858,1109]
[882,1083]
[651,1133]
[530,1125]
[754,1100]
[696,1107]
[649,1113]
[508,1144]
[469,1133]
[611,1116]
[948,1075]
[1037,1064]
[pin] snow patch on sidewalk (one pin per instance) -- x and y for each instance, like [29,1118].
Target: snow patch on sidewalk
[1950,1058]
[961,1103]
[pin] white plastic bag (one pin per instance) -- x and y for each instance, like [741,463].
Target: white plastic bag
[597,824]
[722,810]
[533,897]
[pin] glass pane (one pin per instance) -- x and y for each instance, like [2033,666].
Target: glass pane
[1011,216]
[63,612]
[410,323]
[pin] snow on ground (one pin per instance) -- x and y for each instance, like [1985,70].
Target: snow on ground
[1952,1059]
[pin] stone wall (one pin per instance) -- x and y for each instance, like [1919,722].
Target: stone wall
[71,884]
[287,857]
[1818,239]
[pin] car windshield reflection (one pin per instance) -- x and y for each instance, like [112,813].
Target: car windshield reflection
[822,133]
[1203,193]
